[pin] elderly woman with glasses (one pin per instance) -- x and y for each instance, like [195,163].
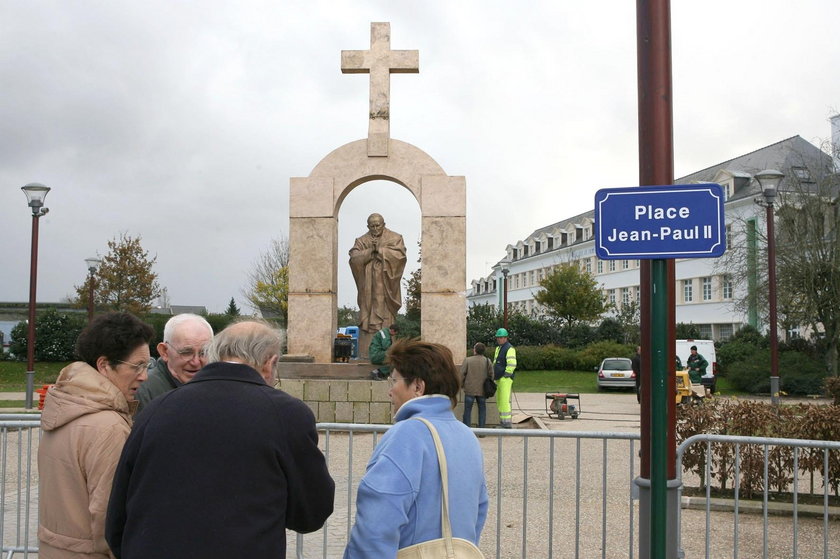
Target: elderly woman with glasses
[85,422]
[399,498]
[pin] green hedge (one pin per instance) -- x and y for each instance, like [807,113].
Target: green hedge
[759,419]
[555,358]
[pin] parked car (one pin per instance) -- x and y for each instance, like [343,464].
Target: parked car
[616,372]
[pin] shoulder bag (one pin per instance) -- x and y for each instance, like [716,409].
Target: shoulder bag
[447,546]
[489,386]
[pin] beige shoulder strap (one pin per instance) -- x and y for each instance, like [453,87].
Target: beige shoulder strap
[446,528]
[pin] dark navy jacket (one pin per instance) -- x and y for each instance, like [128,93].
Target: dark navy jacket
[219,467]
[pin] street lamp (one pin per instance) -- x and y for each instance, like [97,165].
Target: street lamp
[92,264]
[769,181]
[505,271]
[35,195]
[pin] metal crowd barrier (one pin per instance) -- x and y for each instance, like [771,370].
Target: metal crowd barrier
[552,494]
[543,485]
[19,436]
[786,529]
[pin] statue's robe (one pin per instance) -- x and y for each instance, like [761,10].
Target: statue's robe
[378,279]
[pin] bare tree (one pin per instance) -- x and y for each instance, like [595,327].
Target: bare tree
[267,289]
[807,256]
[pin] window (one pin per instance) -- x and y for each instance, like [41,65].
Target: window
[705,331]
[638,296]
[727,190]
[625,264]
[524,251]
[612,266]
[550,243]
[600,266]
[516,281]
[729,236]
[588,265]
[707,289]
[611,293]
[727,287]
[531,277]
[625,295]
[801,173]
[688,295]
[724,331]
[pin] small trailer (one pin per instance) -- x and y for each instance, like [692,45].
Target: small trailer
[559,405]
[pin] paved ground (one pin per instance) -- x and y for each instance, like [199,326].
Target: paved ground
[603,412]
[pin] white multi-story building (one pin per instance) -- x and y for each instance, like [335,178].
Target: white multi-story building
[705,293]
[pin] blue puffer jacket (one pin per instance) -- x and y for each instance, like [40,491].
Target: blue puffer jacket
[398,503]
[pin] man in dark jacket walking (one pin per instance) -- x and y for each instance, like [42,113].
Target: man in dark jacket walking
[223,465]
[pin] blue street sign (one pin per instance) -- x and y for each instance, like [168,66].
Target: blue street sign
[679,221]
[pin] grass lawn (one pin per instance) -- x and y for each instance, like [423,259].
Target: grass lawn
[13,375]
[555,381]
[13,379]
[6,404]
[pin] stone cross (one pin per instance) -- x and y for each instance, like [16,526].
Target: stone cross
[380,62]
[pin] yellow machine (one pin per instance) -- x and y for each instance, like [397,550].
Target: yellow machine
[688,393]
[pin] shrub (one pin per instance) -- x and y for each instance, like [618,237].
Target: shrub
[55,336]
[610,330]
[759,419]
[733,352]
[800,373]
[530,358]
[832,389]
[751,374]
[577,335]
[591,356]
[559,358]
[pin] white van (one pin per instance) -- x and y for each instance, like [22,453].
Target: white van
[706,348]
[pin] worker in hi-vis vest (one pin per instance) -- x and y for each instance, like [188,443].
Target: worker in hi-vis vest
[504,364]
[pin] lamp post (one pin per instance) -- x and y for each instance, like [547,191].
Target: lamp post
[35,195]
[505,272]
[769,181]
[92,265]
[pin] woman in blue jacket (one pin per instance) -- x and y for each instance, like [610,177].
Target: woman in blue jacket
[399,497]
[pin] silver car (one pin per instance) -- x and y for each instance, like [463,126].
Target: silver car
[616,372]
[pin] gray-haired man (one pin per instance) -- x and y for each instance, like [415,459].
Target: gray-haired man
[223,465]
[183,352]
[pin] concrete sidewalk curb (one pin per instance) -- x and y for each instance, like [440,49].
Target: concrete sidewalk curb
[757,507]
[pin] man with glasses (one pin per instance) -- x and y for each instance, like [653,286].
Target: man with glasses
[182,355]
[224,465]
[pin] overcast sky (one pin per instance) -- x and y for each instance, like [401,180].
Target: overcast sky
[182,122]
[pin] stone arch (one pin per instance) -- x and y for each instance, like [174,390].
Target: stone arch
[314,202]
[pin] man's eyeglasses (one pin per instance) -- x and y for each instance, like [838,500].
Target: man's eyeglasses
[188,353]
[392,380]
[138,367]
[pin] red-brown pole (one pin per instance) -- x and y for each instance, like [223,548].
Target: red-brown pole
[771,278]
[30,336]
[505,320]
[656,167]
[90,296]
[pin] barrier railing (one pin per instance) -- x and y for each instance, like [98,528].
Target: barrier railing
[552,494]
[787,528]
[542,485]
[19,490]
